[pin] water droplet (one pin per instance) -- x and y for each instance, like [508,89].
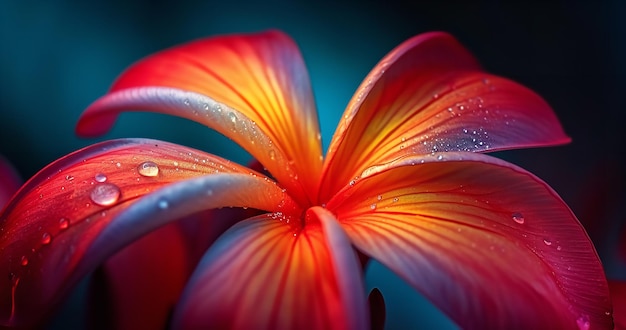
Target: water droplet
[547,242]
[395,199]
[379,197]
[150,169]
[559,248]
[583,322]
[24,261]
[233,117]
[69,178]
[373,206]
[64,223]
[163,205]
[186,102]
[352,183]
[118,165]
[440,157]
[46,238]
[272,154]
[105,194]
[100,177]
[518,217]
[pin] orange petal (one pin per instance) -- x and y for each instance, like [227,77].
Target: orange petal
[269,272]
[487,242]
[84,207]
[429,95]
[252,88]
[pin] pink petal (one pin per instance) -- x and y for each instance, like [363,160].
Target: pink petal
[488,243]
[252,88]
[86,206]
[429,95]
[272,272]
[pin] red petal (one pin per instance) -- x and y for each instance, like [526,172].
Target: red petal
[139,286]
[64,222]
[487,242]
[429,95]
[143,281]
[252,88]
[9,181]
[269,272]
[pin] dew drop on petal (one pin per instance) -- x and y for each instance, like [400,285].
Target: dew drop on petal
[233,117]
[272,154]
[100,177]
[518,217]
[46,238]
[547,242]
[149,169]
[583,322]
[379,197]
[64,223]
[373,206]
[105,194]
[24,261]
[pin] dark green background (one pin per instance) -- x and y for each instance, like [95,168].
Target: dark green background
[58,56]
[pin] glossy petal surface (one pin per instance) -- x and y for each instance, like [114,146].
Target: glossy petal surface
[429,95]
[84,207]
[252,88]
[270,272]
[487,242]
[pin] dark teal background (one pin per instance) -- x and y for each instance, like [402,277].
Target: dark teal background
[58,56]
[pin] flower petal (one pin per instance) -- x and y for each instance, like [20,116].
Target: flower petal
[139,285]
[429,95]
[269,272]
[123,295]
[86,206]
[252,88]
[487,242]
[9,181]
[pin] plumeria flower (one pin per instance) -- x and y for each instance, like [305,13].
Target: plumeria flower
[405,181]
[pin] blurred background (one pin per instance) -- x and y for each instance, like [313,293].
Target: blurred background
[58,56]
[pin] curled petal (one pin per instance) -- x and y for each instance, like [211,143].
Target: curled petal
[269,272]
[487,242]
[429,95]
[84,207]
[252,88]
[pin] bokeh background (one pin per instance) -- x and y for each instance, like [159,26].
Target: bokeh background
[58,56]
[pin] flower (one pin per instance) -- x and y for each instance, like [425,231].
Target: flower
[405,181]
